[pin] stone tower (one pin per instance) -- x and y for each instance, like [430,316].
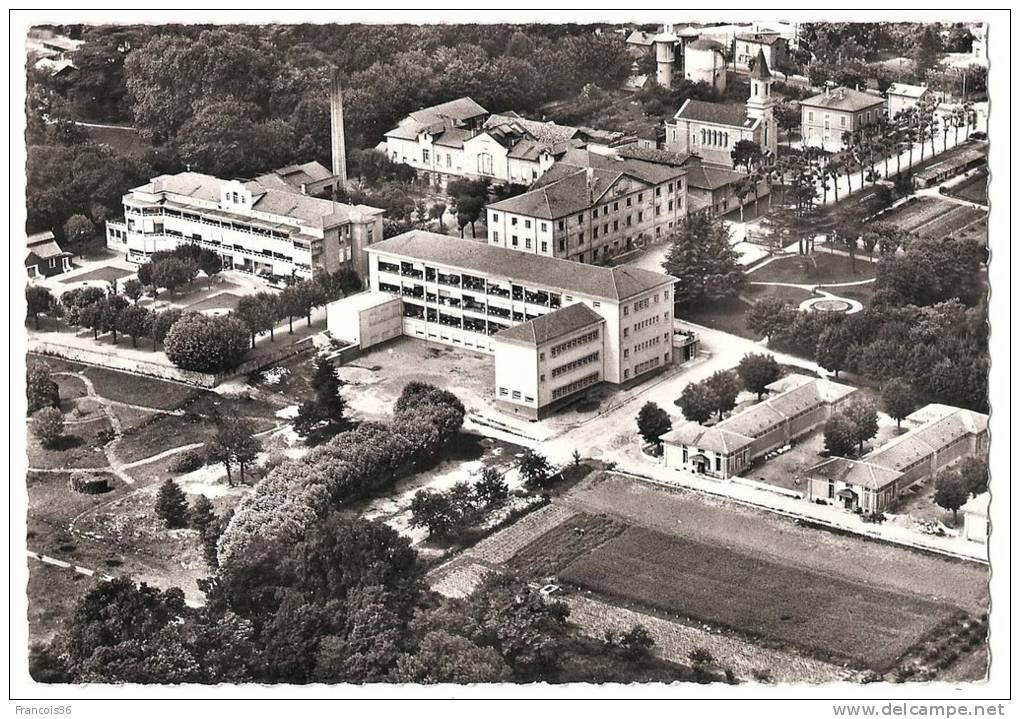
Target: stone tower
[338,144]
[761,103]
[665,56]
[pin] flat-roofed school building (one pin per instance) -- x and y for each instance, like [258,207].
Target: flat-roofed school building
[467,294]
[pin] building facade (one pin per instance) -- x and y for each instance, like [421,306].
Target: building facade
[900,97]
[591,207]
[705,61]
[463,293]
[267,231]
[938,436]
[43,256]
[799,405]
[747,46]
[365,319]
[711,130]
[825,117]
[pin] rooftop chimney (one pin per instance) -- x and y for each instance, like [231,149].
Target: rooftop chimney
[336,128]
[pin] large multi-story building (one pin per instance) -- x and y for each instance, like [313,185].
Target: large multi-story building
[466,294]
[461,139]
[271,231]
[772,45]
[938,435]
[825,117]
[711,130]
[590,207]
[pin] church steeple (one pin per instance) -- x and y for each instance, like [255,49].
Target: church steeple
[761,102]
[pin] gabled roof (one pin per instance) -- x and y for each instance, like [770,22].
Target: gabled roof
[900,88]
[652,173]
[853,471]
[567,191]
[551,326]
[39,237]
[548,132]
[608,283]
[712,439]
[46,250]
[711,177]
[760,38]
[294,176]
[648,154]
[639,37]
[947,424]
[717,113]
[843,98]
[463,108]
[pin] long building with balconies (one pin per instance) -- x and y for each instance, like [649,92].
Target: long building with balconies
[267,231]
[524,309]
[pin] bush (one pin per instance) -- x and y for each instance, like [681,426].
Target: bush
[48,425]
[86,484]
[40,389]
[207,344]
[189,461]
[172,505]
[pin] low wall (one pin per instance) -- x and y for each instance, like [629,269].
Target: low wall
[150,368]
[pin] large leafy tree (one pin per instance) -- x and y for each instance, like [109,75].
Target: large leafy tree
[898,399]
[863,419]
[951,491]
[703,261]
[725,386]
[41,389]
[697,401]
[235,445]
[39,301]
[840,436]
[653,422]
[223,139]
[206,344]
[757,371]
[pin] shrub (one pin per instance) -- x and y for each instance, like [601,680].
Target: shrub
[86,484]
[48,425]
[206,344]
[40,389]
[189,461]
[172,505]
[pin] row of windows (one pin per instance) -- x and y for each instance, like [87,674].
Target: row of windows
[515,394]
[579,362]
[646,365]
[576,385]
[641,346]
[642,304]
[576,342]
[711,137]
[653,320]
[216,222]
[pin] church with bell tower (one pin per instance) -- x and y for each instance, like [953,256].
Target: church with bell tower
[711,130]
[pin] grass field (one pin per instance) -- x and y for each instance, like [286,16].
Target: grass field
[975,189]
[791,295]
[819,268]
[222,301]
[726,315]
[833,619]
[54,592]
[103,274]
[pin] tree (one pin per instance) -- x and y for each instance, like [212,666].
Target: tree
[725,386]
[135,322]
[974,473]
[436,212]
[161,324]
[863,419]
[833,347]
[746,153]
[757,371]
[768,316]
[172,273]
[445,658]
[535,469]
[788,119]
[636,643]
[204,519]
[235,444]
[79,233]
[172,505]
[259,312]
[206,344]
[840,436]
[653,422]
[133,290]
[951,492]
[210,263]
[40,301]
[491,488]
[926,52]
[703,260]
[898,399]
[323,416]
[434,511]
[697,402]
[40,388]
[48,425]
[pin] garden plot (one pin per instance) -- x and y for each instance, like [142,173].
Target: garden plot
[931,216]
[834,620]
[956,219]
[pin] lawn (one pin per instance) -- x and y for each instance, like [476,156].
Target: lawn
[102,274]
[53,592]
[725,315]
[818,268]
[974,189]
[81,447]
[790,295]
[833,619]
[222,301]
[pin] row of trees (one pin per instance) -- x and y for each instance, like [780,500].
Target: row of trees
[355,463]
[448,514]
[956,484]
[847,430]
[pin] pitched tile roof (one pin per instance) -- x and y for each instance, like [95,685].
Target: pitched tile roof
[901,88]
[711,177]
[939,432]
[716,113]
[639,37]
[761,38]
[607,283]
[652,173]
[548,132]
[463,108]
[563,193]
[551,326]
[843,98]
[854,472]
[712,439]
[648,154]
[705,43]
[294,176]
[47,249]
[761,67]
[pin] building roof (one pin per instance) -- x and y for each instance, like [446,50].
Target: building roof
[652,173]
[608,283]
[548,132]
[705,43]
[364,300]
[945,426]
[900,88]
[761,67]
[46,249]
[312,211]
[551,326]
[843,98]
[463,108]
[716,113]
[761,38]
[648,154]
[296,176]
[711,177]
[712,439]
[759,418]
[853,471]
[567,192]
[39,237]
[639,37]
[788,382]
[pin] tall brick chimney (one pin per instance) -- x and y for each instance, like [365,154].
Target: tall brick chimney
[336,129]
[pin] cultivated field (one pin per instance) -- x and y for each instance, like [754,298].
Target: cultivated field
[974,189]
[932,217]
[833,619]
